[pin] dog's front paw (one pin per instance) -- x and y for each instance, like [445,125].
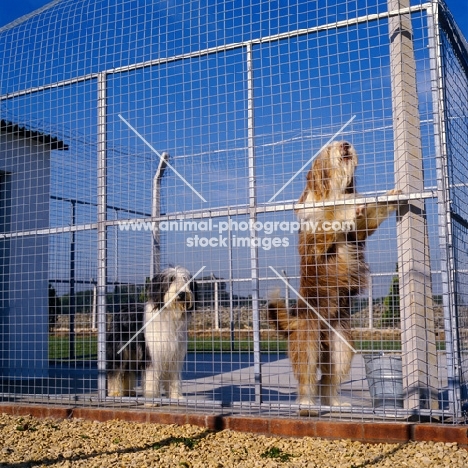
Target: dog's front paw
[393,205]
[306,401]
[394,192]
[307,412]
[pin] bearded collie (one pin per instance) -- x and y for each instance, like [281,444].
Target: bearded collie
[153,337]
[332,271]
[173,292]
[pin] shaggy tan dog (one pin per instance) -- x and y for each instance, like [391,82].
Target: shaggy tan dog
[333,269]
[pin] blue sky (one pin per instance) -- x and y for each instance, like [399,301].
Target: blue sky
[292,120]
[9,11]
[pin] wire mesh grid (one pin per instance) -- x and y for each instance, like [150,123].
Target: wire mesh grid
[454,131]
[144,139]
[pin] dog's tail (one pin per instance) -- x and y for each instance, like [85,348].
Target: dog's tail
[279,316]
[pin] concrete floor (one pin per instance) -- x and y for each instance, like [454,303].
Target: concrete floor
[223,382]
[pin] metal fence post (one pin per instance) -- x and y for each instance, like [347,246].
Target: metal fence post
[72,311]
[371,304]
[94,306]
[253,234]
[102,235]
[155,214]
[231,299]
[419,355]
[215,302]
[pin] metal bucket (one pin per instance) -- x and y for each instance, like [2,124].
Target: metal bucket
[385,378]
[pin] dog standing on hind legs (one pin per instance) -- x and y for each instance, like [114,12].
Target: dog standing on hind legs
[332,271]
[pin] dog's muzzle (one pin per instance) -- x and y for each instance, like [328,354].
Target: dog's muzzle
[186,298]
[183,297]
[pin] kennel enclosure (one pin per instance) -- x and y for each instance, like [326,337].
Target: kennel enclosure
[140,134]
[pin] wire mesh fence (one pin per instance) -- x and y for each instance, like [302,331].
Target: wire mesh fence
[330,277]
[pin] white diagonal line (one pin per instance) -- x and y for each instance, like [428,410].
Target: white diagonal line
[307,164]
[173,298]
[160,157]
[340,336]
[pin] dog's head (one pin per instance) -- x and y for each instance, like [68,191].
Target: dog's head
[173,284]
[332,173]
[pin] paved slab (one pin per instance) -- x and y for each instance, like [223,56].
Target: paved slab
[215,380]
[229,379]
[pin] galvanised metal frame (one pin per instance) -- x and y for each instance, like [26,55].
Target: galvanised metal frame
[102,235]
[441,192]
[439,19]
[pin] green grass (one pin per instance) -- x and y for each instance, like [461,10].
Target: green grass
[274,346]
[86,347]
[389,345]
[219,345]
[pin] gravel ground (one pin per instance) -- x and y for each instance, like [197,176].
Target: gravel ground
[29,442]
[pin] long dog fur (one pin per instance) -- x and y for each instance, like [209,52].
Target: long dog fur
[333,270]
[159,351]
[123,368]
[166,331]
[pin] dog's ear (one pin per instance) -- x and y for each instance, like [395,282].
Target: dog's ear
[195,294]
[351,188]
[319,177]
[303,197]
[157,289]
[318,181]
